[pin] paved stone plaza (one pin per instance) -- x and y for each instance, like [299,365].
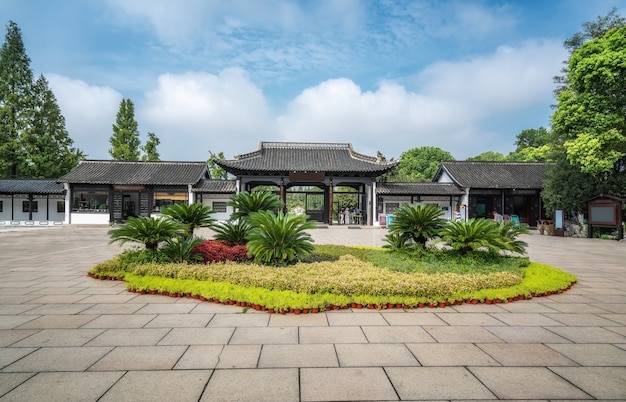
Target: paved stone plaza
[67,337]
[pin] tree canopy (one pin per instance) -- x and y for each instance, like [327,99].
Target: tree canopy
[589,124]
[150,151]
[33,140]
[420,164]
[125,138]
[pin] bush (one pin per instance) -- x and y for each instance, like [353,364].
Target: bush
[181,249]
[246,203]
[279,239]
[146,230]
[194,215]
[420,222]
[212,251]
[234,232]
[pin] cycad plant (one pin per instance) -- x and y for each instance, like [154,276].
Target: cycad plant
[194,215]
[509,231]
[233,232]
[420,222]
[279,239]
[471,235]
[181,249]
[146,230]
[246,203]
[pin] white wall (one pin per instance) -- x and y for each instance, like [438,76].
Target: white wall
[77,218]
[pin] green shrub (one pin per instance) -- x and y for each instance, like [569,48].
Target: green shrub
[279,239]
[472,235]
[181,249]
[234,232]
[146,230]
[246,203]
[194,215]
[420,222]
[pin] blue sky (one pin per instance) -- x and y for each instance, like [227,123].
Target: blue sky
[465,76]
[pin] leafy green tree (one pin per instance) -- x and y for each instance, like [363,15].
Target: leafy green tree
[150,151]
[421,164]
[48,146]
[245,203]
[420,222]
[532,145]
[148,231]
[217,173]
[589,125]
[193,216]
[125,138]
[489,156]
[279,239]
[16,101]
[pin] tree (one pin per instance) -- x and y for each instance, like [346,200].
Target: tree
[217,173]
[421,164]
[150,152]
[532,145]
[125,138]
[16,81]
[48,151]
[489,156]
[589,125]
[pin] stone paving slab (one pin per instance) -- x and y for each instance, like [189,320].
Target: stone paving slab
[47,387]
[185,385]
[599,382]
[140,358]
[276,356]
[260,385]
[58,359]
[450,354]
[346,384]
[375,355]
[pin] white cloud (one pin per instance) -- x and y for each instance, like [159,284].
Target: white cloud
[195,112]
[447,109]
[89,113]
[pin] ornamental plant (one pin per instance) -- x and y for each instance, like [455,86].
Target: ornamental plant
[212,251]
[194,215]
[246,203]
[279,239]
[146,230]
[420,222]
[233,232]
[474,234]
[181,249]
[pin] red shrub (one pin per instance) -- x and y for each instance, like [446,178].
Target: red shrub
[219,251]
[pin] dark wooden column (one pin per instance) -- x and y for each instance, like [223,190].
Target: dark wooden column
[330,203]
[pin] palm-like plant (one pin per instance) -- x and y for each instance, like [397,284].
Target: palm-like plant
[279,239]
[234,232]
[509,232]
[194,215]
[181,249]
[421,222]
[146,230]
[471,235]
[246,203]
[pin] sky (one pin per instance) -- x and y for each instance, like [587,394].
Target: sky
[207,76]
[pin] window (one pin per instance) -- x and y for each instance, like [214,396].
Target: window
[60,206]
[0,205]
[219,206]
[25,206]
[391,207]
[162,199]
[90,201]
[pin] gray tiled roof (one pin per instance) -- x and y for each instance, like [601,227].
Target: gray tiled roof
[137,173]
[283,157]
[418,189]
[31,186]
[215,186]
[520,175]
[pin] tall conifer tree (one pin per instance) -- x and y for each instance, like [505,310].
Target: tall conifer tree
[125,138]
[150,151]
[48,146]
[16,107]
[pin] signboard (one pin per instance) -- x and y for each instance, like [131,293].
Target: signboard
[307,177]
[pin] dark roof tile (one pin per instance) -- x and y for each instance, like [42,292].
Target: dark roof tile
[283,157]
[521,175]
[136,173]
[31,186]
[215,186]
[418,189]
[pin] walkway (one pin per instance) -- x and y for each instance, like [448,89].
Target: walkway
[66,337]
